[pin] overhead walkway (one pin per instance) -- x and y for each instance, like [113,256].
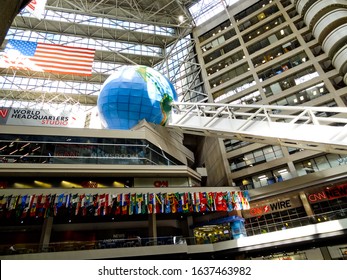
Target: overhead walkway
[316,128]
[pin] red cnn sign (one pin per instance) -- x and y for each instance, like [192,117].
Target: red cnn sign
[161,184]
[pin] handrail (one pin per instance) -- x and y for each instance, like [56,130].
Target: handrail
[316,128]
[27,248]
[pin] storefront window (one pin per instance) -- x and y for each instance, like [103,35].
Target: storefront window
[72,150]
[212,234]
[276,221]
[330,201]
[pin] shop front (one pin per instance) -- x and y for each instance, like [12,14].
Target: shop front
[227,228]
[274,214]
[329,202]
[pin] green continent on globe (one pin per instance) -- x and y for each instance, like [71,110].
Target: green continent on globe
[142,71]
[165,105]
[165,102]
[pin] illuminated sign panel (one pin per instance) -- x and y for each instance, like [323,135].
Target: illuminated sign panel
[262,208]
[161,182]
[328,193]
[27,117]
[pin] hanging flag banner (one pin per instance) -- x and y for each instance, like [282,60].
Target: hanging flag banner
[106,204]
[43,57]
[37,8]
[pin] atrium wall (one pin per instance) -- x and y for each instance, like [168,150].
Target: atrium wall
[278,53]
[259,52]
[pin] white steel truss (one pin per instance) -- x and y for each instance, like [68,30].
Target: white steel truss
[146,32]
[316,128]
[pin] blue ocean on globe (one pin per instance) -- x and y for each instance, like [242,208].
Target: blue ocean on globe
[132,94]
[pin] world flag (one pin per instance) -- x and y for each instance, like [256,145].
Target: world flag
[43,57]
[35,206]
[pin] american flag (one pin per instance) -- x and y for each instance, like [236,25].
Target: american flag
[43,57]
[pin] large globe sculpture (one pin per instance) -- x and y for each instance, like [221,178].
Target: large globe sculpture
[132,94]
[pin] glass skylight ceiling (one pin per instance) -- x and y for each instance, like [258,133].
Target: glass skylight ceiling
[205,9]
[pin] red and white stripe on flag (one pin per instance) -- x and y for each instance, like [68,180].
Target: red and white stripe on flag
[43,57]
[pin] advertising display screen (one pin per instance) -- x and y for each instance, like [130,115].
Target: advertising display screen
[33,117]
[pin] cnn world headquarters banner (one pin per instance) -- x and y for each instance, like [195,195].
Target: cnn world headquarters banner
[29,117]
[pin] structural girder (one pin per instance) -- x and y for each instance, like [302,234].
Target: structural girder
[313,128]
[72,28]
[163,12]
[48,97]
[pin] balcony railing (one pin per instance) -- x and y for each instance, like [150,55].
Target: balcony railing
[28,248]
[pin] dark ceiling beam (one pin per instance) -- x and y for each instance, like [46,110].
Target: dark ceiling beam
[10,9]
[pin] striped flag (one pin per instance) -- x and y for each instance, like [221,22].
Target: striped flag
[151,208]
[43,57]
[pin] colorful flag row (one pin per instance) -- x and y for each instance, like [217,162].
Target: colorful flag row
[122,204]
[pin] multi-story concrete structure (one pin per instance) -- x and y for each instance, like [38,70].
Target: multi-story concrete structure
[276,52]
[273,52]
